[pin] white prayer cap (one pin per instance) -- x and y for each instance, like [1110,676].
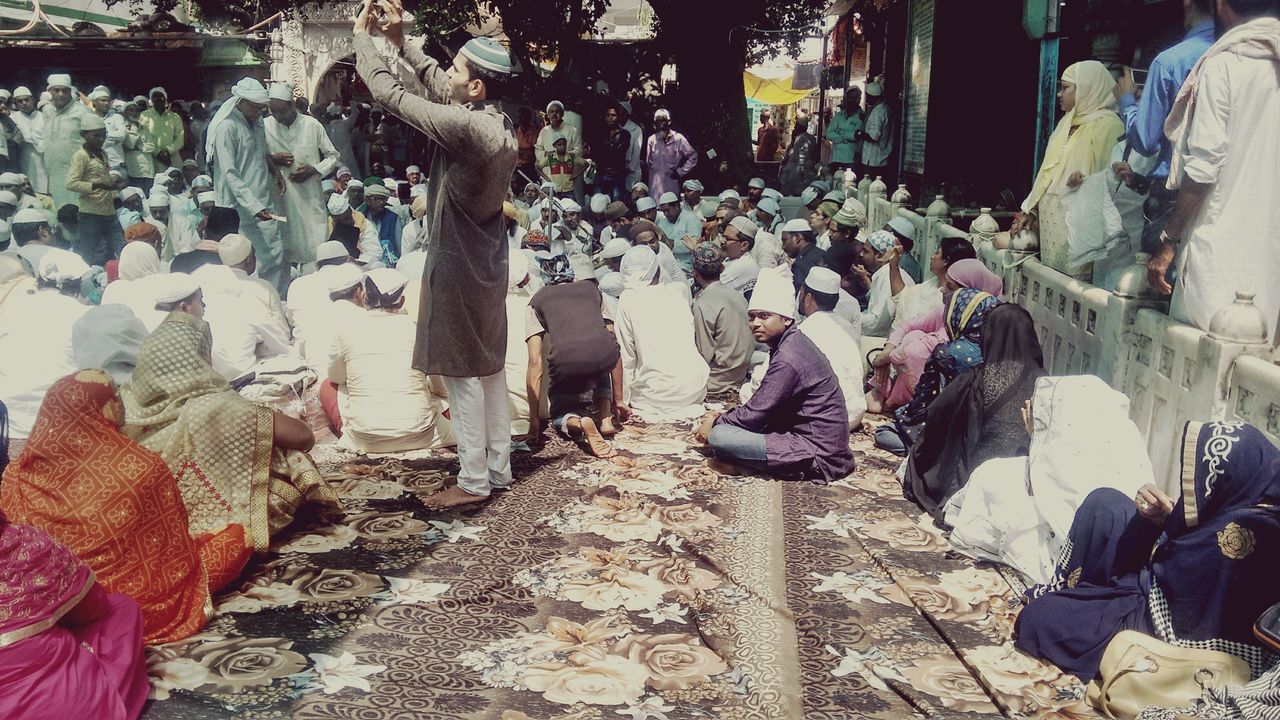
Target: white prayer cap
[131,192]
[694,185]
[246,89]
[202,181]
[161,179]
[744,226]
[344,277]
[771,193]
[640,186]
[331,250]
[808,195]
[338,204]
[388,281]
[616,247]
[757,183]
[355,184]
[341,172]
[281,91]
[874,89]
[22,91]
[570,206]
[626,106]
[599,202]
[823,280]
[59,80]
[773,293]
[58,265]
[234,249]
[668,198]
[119,105]
[547,185]
[158,200]
[5,94]
[100,93]
[767,205]
[10,178]
[413,169]
[582,267]
[797,225]
[176,287]
[662,114]
[326,185]
[30,216]
[902,226]
[377,191]
[8,198]
[730,193]
[206,196]
[92,122]
[645,204]
[160,90]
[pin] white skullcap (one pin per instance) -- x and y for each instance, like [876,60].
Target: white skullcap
[355,184]
[823,280]
[768,206]
[387,280]
[131,192]
[207,196]
[202,181]
[693,185]
[22,91]
[58,265]
[30,216]
[5,94]
[158,200]
[92,122]
[160,90]
[730,193]
[100,92]
[757,183]
[245,89]
[344,276]
[771,193]
[338,204]
[234,249]
[59,80]
[331,250]
[176,287]
[281,91]
[668,198]
[744,226]
[903,227]
[377,191]
[8,198]
[570,206]
[773,293]
[640,186]
[342,171]
[874,89]
[10,178]
[582,267]
[599,202]
[808,195]
[390,183]
[645,204]
[615,248]
[797,225]
[662,113]
[413,169]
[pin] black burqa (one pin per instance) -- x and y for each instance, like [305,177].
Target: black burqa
[978,416]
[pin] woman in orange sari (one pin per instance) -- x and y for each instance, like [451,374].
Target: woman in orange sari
[117,507]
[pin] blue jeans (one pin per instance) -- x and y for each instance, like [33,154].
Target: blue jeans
[738,446]
[614,185]
[100,238]
[563,404]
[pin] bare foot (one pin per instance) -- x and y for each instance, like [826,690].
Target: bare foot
[596,443]
[452,497]
[722,467]
[607,428]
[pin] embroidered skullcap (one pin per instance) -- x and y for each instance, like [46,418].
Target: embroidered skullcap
[338,204]
[234,249]
[881,240]
[773,293]
[202,181]
[708,258]
[59,80]
[668,198]
[487,53]
[744,226]
[823,280]
[537,239]
[852,214]
[176,288]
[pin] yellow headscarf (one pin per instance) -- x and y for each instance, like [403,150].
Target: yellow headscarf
[1097,127]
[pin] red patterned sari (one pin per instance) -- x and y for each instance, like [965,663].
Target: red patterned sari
[117,507]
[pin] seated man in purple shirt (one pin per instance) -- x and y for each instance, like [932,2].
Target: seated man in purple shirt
[796,425]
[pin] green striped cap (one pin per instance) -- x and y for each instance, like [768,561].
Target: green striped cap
[488,54]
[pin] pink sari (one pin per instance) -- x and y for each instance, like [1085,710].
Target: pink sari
[67,647]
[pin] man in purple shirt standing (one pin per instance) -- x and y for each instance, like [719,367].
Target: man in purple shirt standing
[668,155]
[796,425]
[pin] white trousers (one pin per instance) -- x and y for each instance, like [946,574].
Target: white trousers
[482,426]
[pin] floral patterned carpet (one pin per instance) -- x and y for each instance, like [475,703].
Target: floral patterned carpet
[642,587]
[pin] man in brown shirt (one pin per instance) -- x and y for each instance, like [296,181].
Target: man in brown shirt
[462,324]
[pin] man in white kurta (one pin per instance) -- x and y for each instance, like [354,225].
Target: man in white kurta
[62,138]
[302,150]
[1228,178]
[236,253]
[832,335]
[30,122]
[309,305]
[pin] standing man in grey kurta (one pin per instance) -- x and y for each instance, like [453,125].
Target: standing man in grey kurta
[462,323]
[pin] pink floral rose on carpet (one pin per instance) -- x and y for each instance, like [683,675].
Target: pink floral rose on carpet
[682,577]
[943,677]
[903,533]
[236,664]
[602,680]
[615,588]
[675,661]
[686,519]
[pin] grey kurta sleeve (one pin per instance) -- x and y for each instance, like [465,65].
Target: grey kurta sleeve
[434,80]
[449,126]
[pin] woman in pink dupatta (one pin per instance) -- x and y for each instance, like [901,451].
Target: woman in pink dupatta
[68,648]
[899,365]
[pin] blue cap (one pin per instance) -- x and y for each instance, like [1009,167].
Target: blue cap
[487,53]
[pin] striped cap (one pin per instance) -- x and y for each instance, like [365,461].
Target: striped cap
[488,54]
